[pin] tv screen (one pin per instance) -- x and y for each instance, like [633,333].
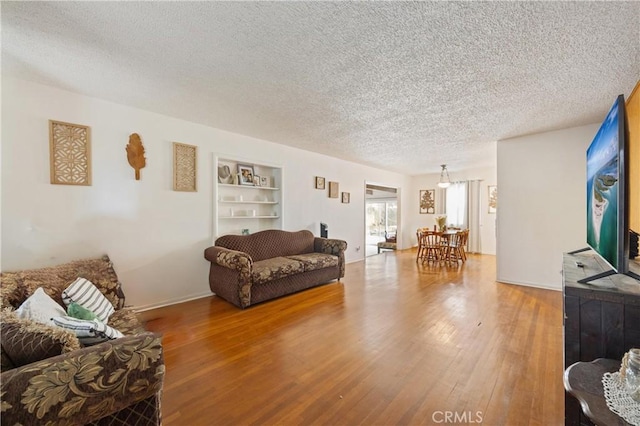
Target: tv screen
[607,229]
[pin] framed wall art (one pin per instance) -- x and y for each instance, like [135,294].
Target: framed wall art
[245,173]
[185,174]
[493,198]
[334,192]
[319,182]
[346,197]
[427,201]
[69,153]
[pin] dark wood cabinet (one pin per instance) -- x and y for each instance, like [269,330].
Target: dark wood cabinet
[601,319]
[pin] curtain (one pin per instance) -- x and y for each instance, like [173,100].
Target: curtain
[463,210]
[474,244]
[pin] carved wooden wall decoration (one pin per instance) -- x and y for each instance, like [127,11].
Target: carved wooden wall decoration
[185,174]
[69,153]
[135,154]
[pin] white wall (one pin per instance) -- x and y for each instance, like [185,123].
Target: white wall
[541,204]
[430,181]
[154,235]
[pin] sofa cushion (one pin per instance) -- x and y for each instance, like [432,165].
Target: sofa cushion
[270,243]
[313,261]
[25,341]
[40,307]
[127,322]
[89,332]
[274,268]
[87,295]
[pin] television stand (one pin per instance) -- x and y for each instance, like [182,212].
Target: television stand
[607,273]
[601,319]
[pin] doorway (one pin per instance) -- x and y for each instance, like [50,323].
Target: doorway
[381,216]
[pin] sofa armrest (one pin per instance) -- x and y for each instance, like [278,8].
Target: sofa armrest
[329,246]
[84,385]
[231,259]
[240,265]
[334,247]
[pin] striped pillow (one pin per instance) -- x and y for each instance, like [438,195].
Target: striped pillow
[87,328]
[87,295]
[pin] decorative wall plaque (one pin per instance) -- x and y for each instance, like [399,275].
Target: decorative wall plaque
[427,201]
[135,153]
[69,153]
[185,174]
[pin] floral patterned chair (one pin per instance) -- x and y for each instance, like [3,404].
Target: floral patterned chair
[47,378]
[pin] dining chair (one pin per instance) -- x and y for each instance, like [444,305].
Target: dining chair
[462,248]
[432,247]
[451,250]
[420,236]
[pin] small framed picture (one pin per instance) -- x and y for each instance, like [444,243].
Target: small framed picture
[493,198]
[264,181]
[333,190]
[256,180]
[245,173]
[346,197]
[319,182]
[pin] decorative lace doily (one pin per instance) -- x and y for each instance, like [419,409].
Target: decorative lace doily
[618,399]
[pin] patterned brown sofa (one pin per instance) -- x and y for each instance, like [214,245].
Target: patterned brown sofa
[47,378]
[249,269]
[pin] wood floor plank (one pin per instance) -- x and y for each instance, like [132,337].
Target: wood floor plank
[393,343]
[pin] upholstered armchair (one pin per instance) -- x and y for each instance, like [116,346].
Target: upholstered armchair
[49,379]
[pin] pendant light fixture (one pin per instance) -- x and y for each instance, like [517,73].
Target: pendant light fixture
[444,177]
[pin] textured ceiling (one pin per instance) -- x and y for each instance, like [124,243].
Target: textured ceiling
[404,86]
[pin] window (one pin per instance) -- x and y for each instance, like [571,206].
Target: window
[456,205]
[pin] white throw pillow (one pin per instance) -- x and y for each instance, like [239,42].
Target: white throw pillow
[40,307]
[87,295]
[87,328]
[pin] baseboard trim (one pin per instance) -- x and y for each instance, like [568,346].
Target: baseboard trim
[171,302]
[526,284]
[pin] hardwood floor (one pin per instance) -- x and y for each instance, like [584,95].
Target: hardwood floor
[393,343]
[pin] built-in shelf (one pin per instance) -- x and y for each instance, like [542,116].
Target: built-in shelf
[246,208]
[248,217]
[247,202]
[265,188]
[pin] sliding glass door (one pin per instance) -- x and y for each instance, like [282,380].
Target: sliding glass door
[382,217]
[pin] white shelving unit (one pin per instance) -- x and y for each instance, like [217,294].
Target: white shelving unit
[247,207]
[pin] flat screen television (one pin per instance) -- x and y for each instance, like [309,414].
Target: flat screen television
[607,194]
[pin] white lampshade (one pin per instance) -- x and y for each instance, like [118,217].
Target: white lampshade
[444,177]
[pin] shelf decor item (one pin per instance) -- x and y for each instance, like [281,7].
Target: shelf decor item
[427,201]
[264,181]
[319,182]
[69,153]
[245,174]
[256,180]
[185,168]
[135,154]
[224,174]
[333,190]
[346,197]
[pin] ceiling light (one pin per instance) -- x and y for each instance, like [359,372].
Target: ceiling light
[444,177]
